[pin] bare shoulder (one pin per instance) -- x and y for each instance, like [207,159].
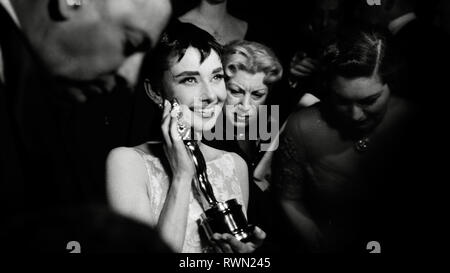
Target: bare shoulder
[122,156]
[133,157]
[126,184]
[189,17]
[125,165]
[239,24]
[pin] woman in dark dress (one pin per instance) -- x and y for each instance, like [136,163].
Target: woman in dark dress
[332,160]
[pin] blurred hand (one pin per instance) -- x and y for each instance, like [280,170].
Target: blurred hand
[227,243]
[303,66]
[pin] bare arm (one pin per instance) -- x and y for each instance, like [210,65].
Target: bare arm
[125,184]
[173,218]
[127,191]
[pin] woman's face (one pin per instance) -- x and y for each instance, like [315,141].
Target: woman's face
[198,87]
[360,102]
[245,93]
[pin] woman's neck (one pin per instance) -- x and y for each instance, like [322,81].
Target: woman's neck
[213,12]
[208,152]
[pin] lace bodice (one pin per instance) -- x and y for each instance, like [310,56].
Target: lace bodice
[223,177]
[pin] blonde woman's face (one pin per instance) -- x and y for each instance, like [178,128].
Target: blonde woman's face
[246,92]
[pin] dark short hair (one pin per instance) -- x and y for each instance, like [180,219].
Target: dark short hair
[358,53]
[174,43]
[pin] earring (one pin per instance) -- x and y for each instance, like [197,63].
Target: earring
[74,3]
[158,101]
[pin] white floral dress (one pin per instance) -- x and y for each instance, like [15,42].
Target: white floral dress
[223,177]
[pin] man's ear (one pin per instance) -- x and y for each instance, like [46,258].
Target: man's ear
[152,94]
[61,10]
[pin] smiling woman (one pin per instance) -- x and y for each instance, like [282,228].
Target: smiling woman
[199,86]
[153,182]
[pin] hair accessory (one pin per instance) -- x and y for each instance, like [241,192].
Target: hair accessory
[377,62]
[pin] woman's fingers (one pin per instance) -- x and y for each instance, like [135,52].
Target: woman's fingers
[314,62]
[299,74]
[236,245]
[173,127]
[229,243]
[165,122]
[220,241]
[226,247]
[309,63]
[302,68]
[259,236]
[216,247]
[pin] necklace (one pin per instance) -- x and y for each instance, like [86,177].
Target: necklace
[362,145]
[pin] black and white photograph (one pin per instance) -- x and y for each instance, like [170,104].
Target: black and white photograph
[184,128]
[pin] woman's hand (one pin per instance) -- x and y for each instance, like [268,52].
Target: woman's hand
[179,159]
[227,243]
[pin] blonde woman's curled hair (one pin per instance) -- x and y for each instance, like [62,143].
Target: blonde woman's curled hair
[251,57]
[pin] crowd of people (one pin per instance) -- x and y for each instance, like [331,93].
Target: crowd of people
[322,122]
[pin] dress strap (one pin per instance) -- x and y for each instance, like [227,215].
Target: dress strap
[144,159]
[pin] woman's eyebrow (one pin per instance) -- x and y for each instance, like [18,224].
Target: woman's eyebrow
[259,90]
[196,73]
[187,73]
[374,96]
[235,84]
[217,70]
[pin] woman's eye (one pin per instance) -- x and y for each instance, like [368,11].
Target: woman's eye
[368,102]
[235,92]
[218,77]
[190,80]
[258,95]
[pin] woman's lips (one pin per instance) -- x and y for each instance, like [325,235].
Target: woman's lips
[204,112]
[241,118]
